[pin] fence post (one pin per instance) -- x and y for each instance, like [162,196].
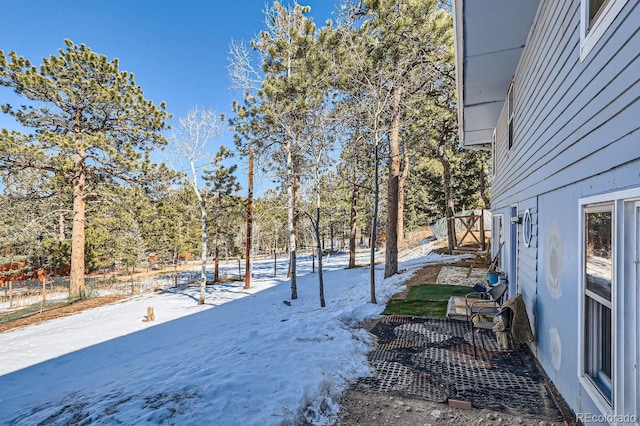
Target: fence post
[44,293]
[483,243]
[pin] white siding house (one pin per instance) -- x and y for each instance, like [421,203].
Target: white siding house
[552,87]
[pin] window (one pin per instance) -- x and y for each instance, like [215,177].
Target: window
[494,151]
[595,18]
[609,303]
[510,114]
[527,228]
[498,242]
[595,7]
[598,259]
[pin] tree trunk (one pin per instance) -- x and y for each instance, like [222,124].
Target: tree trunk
[482,178]
[175,272]
[216,268]
[374,224]
[393,186]
[313,261]
[203,273]
[76,277]
[353,219]
[331,238]
[290,220]
[203,224]
[401,194]
[247,269]
[320,279]
[296,202]
[448,195]
[275,249]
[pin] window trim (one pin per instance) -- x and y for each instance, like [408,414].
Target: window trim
[498,225]
[589,37]
[510,115]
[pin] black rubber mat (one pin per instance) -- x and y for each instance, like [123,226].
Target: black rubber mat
[433,359]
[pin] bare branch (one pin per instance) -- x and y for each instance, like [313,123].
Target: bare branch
[240,69]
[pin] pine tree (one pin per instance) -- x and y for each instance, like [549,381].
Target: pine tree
[291,91]
[91,124]
[405,39]
[221,188]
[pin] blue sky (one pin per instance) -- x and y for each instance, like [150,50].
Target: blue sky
[177,49]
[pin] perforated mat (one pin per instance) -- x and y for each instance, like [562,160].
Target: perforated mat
[432,358]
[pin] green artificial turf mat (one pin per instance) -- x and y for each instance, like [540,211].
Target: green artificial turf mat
[417,308]
[437,292]
[427,300]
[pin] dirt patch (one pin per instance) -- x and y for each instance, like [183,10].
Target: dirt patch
[362,407]
[426,275]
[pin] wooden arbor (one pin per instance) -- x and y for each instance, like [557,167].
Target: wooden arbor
[470,223]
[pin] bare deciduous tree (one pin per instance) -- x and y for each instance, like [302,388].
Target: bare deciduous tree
[191,141]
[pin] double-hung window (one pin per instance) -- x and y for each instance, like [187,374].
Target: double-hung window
[598,259]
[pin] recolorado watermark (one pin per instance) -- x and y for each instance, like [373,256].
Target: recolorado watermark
[606,418]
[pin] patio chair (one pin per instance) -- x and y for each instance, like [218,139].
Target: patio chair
[511,319]
[484,295]
[488,301]
[482,322]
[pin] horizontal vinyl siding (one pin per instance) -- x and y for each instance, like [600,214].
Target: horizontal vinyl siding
[527,268]
[501,149]
[540,62]
[547,70]
[573,119]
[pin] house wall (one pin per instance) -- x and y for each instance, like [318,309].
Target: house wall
[527,267]
[576,134]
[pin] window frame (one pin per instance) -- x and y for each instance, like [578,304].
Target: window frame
[593,308]
[592,32]
[494,153]
[510,116]
[527,228]
[497,232]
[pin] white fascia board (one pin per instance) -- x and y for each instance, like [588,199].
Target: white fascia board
[458,43]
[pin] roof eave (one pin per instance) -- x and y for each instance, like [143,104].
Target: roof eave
[489,38]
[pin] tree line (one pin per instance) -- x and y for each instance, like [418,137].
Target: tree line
[354,120]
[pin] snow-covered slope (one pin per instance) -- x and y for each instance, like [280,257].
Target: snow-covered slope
[244,357]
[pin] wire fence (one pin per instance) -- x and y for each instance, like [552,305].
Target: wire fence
[18,295]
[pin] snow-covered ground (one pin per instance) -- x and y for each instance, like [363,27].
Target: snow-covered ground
[243,358]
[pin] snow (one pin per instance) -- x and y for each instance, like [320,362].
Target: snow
[244,357]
